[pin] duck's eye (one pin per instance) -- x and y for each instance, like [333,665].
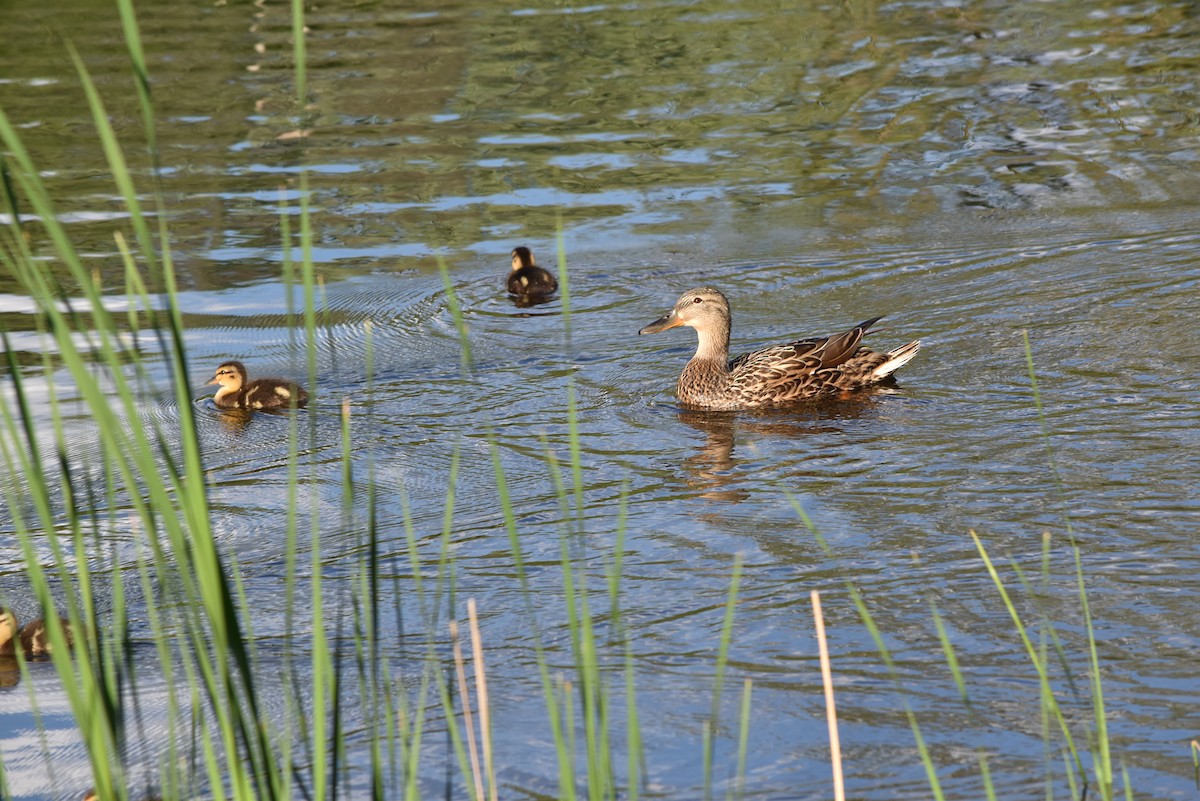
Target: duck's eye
[698,300]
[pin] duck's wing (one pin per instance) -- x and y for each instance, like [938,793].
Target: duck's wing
[801,368]
[814,353]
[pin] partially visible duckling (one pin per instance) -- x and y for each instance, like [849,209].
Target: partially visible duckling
[34,637]
[527,279]
[262,393]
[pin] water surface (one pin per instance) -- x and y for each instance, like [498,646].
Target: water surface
[971,172]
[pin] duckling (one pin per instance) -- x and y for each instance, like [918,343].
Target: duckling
[774,376]
[262,393]
[33,637]
[528,279]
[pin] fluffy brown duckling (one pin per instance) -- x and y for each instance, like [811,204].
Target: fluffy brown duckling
[262,393]
[33,637]
[774,376]
[527,279]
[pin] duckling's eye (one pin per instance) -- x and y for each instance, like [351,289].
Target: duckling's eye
[698,300]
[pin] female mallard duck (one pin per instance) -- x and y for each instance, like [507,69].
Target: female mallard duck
[775,376]
[262,393]
[33,637]
[527,279]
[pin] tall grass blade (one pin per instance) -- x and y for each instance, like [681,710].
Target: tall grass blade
[299,54]
[985,774]
[464,692]
[456,313]
[481,692]
[1038,664]
[835,744]
[735,577]
[948,651]
[743,739]
[868,620]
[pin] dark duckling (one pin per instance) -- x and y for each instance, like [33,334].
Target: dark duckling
[262,393]
[527,279]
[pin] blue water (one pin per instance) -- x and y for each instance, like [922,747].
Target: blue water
[976,174]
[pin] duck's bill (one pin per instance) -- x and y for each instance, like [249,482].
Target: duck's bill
[212,380]
[661,324]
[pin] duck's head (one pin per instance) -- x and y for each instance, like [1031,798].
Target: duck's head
[8,631]
[703,308]
[522,257]
[230,375]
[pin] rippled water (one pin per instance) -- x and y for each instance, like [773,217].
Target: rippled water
[972,172]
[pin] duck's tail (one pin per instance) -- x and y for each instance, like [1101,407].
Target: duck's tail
[896,359]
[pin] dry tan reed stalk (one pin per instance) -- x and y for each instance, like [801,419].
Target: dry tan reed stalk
[835,746]
[465,692]
[481,692]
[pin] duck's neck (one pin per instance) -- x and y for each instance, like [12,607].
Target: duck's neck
[713,345]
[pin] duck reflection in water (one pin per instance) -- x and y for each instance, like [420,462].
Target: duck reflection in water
[714,468]
[234,421]
[711,468]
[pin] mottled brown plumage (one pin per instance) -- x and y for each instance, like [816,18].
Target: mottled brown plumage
[528,279]
[263,393]
[774,376]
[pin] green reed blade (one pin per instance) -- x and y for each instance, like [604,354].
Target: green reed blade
[985,774]
[564,275]
[299,54]
[445,692]
[719,677]
[1038,664]
[948,651]
[633,733]
[868,620]
[133,45]
[743,739]
[576,451]
[566,783]
[922,748]
[456,313]
[1072,784]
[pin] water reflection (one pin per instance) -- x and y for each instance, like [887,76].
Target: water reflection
[529,301]
[712,469]
[10,672]
[234,421]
